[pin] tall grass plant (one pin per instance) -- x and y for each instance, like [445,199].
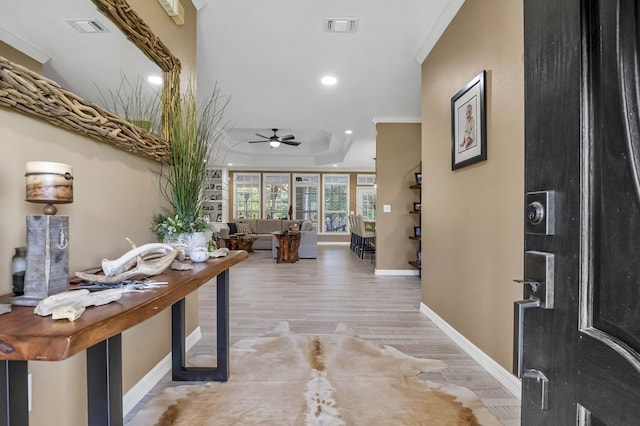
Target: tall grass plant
[195,133]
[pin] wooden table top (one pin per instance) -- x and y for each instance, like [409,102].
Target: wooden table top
[27,336]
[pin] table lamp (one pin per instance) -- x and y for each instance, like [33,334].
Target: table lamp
[47,270]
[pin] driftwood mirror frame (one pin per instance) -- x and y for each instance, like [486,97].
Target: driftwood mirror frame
[32,94]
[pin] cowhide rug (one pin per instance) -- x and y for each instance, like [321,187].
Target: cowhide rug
[286,379]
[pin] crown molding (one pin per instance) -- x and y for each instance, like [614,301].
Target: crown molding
[443,21]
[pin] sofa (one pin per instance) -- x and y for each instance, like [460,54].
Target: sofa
[262,230]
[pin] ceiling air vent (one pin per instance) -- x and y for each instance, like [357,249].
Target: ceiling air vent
[341,25]
[87,25]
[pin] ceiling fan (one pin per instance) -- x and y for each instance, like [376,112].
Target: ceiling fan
[276,140]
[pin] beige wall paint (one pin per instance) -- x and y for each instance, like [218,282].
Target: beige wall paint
[107,208]
[180,39]
[115,195]
[473,218]
[20,58]
[397,161]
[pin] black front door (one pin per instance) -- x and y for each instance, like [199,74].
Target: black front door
[581,325]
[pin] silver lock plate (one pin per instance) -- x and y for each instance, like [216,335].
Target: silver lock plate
[540,212]
[539,269]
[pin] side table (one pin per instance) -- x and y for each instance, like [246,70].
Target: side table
[288,244]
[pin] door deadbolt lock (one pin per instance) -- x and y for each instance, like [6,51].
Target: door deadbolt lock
[540,212]
[535,213]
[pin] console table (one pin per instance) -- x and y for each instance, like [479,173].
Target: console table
[25,336]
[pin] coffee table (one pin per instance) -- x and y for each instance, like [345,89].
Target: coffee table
[240,242]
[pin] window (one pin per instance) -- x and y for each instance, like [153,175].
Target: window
[366,202]
[335,191]
[246,195]
[276,196]
[305,203]
[368,179]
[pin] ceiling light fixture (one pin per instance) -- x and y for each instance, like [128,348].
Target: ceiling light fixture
[274,144]
[348,132]
[329,80]
[154,79]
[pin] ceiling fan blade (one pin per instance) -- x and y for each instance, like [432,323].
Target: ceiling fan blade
[263,136]
[292,143]
[258,141]
[286,138]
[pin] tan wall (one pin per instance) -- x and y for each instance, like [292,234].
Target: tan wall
[20,58]
[115,195]
[180,39]
[473,218]
[107,208]
[397,161]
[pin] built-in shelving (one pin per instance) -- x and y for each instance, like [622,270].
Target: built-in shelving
[215,195]
[417,263]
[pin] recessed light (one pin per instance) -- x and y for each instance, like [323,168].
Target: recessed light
[230,164]
[335,165]
[329,80]
[348,132]
[154,79]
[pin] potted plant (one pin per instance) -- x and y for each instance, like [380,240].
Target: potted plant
[195,131]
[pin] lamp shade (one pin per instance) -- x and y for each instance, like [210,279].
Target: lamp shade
[49,183]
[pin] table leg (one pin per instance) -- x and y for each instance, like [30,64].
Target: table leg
[104,382]
[220,373]
[14,394]
[295,247]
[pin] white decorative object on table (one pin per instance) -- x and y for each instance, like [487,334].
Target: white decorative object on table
[140,262]
[199,254]
[221,252]
[65,305]
[70,312]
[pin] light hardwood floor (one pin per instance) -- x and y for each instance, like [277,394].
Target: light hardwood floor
[315,295]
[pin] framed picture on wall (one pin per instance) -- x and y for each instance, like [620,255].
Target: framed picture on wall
[416,231]
[468,124]
[417,207]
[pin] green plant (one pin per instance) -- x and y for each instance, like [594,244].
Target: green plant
[135,101]
[168,227]
[195,131]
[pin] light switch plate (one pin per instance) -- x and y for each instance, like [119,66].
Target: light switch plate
[386,208]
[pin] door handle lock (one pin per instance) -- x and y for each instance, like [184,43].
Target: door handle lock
[540,212]
[535,213]
[533,284]
[542,380]
[538,293]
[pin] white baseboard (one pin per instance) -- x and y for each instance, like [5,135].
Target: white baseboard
[398,272]
[508,380]
[140,389]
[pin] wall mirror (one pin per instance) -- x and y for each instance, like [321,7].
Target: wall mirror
[71,102]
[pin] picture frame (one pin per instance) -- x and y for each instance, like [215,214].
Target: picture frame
[469,124]
[417,207]
[417,232]
[418,178]
[219,217]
